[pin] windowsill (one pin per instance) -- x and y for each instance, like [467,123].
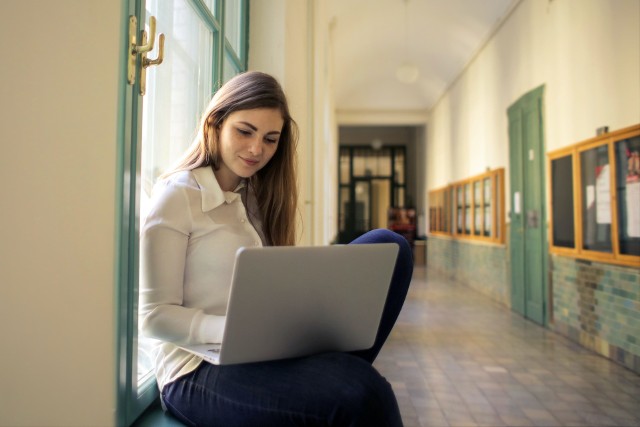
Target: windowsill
[154,416]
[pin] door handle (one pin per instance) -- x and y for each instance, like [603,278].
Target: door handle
[532,219]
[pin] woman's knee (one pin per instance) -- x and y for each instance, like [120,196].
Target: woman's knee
[383,235]
[364,397]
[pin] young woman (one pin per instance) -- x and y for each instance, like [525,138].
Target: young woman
[236,186]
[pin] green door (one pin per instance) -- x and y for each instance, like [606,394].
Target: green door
[527,244]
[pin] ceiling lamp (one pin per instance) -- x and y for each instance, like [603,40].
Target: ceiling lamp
[407,72]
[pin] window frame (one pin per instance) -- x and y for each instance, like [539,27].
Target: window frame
[133,401]
[607,140]
[453,207]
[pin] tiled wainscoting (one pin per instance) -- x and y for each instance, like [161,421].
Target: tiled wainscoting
[598,305]
[594,304]
[481,266]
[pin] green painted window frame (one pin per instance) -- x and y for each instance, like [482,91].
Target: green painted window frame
[131,402]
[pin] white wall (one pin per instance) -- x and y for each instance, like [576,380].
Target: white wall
[58,130]
[586,53]
[289,39]
[325,137]
[279,44]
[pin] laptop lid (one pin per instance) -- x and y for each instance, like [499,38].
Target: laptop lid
[295,301]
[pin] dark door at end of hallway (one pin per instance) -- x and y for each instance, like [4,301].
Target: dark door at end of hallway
[371,180]
[527,243]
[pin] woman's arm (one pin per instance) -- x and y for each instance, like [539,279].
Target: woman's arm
[164,239]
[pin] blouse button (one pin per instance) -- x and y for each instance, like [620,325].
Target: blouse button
[243,220]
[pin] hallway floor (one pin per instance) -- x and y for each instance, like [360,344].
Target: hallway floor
[456,358]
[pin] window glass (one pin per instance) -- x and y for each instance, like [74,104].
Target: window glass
[452,209]
[177,93]
[233,24]
[477,208]
[399,167]
[363,206]
[359,162]
[627,153]
[433,206]
[212,5]
[460,209]
[467,208]
[487,207]
[444,210]
[344,208]
[441,217]
[345,162]
[400,197]
[563,232]
[383,162]
[229,68]
[596,199]
[369,163]
[498,203]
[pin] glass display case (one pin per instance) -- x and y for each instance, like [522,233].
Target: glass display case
[595,198]
[471,208]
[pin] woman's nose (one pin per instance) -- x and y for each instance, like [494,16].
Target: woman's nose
[255,147]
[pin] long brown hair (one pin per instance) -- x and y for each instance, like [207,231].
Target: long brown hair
[274,185]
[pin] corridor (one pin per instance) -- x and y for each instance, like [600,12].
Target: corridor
[456,358]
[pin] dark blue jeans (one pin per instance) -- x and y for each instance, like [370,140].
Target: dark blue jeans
[330,389]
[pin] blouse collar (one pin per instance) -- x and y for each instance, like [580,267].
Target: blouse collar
[212,195]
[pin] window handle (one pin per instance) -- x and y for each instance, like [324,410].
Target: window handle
[146,62]
[146,45]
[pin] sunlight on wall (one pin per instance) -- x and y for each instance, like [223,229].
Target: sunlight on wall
[586,55]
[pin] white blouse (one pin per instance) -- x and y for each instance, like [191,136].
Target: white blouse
[188,244]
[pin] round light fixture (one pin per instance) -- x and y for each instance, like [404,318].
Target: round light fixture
[407,73]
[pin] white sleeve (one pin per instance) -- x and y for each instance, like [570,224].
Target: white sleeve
[164,238]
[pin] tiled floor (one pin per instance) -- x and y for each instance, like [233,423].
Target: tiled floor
[456,358]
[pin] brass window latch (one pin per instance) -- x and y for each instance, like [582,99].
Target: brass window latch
[146,45]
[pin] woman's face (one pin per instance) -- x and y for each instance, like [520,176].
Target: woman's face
[248,139]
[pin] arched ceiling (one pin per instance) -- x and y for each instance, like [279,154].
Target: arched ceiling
[370,42]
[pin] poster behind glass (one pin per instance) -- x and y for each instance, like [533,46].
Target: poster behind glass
[627,156]
[596,199]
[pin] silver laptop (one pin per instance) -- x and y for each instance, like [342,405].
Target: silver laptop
[296,301]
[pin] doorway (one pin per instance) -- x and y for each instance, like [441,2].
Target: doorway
[371,181]
[528,243]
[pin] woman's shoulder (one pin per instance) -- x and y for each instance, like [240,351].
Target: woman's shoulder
[179,185]
[182,178]
[171,202]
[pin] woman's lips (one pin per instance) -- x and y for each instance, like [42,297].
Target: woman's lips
[250,162]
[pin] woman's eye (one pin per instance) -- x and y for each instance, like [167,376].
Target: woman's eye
[271,140]
[244,132]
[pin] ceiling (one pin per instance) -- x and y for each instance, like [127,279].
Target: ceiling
[370,42]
